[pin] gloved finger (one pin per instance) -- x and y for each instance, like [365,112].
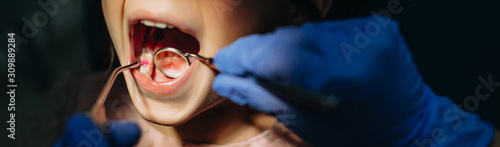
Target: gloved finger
[242,90]
[288,56]
[270,55]
[81,131]
[234,58]
[123,134]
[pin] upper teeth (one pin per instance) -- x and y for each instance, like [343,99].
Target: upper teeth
[156,24]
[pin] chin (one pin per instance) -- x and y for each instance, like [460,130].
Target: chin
[179,106]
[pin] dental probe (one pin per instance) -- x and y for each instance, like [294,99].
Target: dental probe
[98,112]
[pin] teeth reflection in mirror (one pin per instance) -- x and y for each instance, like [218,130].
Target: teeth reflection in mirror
[171,64]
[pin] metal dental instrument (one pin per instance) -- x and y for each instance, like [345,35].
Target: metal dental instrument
[98,112]
[184,56]
[290,93]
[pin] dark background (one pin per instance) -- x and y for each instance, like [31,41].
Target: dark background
[453,43]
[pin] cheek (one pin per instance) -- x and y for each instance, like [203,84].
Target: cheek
[112,10]
[224,21]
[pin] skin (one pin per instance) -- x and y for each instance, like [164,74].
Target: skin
[215,24]
[495,142]
[202,116]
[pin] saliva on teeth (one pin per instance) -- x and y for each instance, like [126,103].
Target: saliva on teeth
[146,60]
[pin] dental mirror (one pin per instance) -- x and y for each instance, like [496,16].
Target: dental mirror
[173,63]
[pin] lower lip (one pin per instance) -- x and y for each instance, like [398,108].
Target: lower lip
[162,88]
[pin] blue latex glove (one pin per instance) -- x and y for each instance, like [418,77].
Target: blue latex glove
[81,131]
[383,101]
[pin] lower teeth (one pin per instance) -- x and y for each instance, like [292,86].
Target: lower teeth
[146,63]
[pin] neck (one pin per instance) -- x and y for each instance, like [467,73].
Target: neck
[224,124]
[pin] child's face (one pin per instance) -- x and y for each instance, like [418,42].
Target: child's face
[212,24]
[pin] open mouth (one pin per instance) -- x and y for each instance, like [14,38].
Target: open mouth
[146,37]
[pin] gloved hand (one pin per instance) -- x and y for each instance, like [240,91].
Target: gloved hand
[366,63]
[81,131]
